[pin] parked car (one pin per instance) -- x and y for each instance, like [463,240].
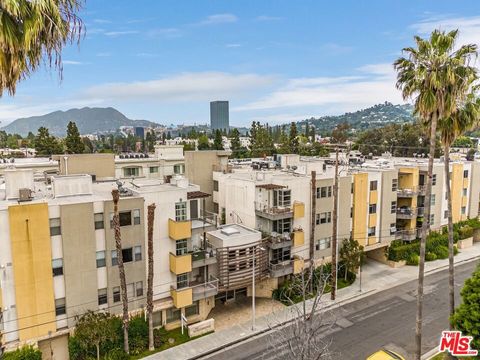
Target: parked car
[385,354]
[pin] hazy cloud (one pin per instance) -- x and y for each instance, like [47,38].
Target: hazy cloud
[166,32]
[72,62]
[102,21]
[233,45]
[218,19]
[120,33]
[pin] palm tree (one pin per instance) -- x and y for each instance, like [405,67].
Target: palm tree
[34,31]
[150,219]
[450,128]
[428,74]
[121,268]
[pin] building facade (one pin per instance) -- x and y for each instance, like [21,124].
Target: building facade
[219,115]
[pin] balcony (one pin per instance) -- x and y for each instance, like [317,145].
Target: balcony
[181,297]
[180,264]
[278,241]
[298,210]
[406,235]
[411,192]
[205,290]
[406,213]
[298,264]
[178,230]
[273,212]
[298,237]
[281,269]
[203,258]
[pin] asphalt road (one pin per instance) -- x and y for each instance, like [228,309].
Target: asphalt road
[384,319]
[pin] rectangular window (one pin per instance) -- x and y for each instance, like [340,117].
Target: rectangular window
[373,185]
[280,255]
[393,207]
[98,219]
[445,214]
[182,281]
[393,228]
[215,185]
[181,247]
[464,193]
[55,228]
[434,179]
[130,290]
[192,309]
[101,259]
[114,258]
[133,171]
[323,244]
[178,169]
[57,266]
[116,294]
[127,255]
[181,211]
[282,198]
[324,191]
[60,307]
[173,315]
[372,208]
[125,218]
[139,288]
[102,296]
[372,230]
[157,319]
[464,210]
[282,226]
[432,199]
[153,169]
[136,217]
[432,219]
[138,253]
[465,173]
[394,184]
[324,218]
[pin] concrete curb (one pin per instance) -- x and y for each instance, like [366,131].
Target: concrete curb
[429,354]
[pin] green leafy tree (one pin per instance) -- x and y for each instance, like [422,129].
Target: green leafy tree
[218,140]
[284,142]
[73,142]
[351,253]
[463,142]
[46,144]
[293,138]
[340,133]
[24,353]
[467,316]
[203,143]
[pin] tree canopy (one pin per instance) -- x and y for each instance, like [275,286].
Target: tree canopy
[73,142]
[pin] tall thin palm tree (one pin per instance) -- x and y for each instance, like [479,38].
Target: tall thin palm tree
[121,269]
[427,74]
[150,220]
[464,118]
[32,33]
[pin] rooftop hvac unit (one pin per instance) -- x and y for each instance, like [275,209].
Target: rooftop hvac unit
[24,194]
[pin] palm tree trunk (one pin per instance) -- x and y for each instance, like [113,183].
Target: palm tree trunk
[121,268]
[451,269]
[423,240]
[151,217]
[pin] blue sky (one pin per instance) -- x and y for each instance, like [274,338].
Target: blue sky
[276,61]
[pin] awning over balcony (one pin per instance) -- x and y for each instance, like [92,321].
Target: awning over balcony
[197,195]
[270,186]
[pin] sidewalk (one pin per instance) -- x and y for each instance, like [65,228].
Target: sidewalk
[375,277]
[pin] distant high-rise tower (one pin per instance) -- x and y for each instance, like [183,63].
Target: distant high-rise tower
[219,118]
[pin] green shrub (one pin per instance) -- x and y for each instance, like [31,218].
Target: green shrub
[441,252]
[24,353]
[430,256]
[413,259]
[403,252]
[158,338]
[465,232]
[138,334]
[117,354]
[455,250]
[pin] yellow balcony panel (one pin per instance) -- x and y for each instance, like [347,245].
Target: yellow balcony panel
[298,210]
[180,264]
[178,230]
[373,199]
[297,265]
[298,238]
[464,201]
[465,182]
[182,297]
[372,240]
[372,220]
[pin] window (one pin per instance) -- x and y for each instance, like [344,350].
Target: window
[282,226]
[179,169]
[131,171]
[130,290]
[465,173]
[373,185]
[182,281]
[153,169]
[464,210]
[352,188]
[324,191]
[280,255]
[181,211]
[57,266]
[127,255]
[139,288]
[372,208]
[434,179]
[101,259]
[432,199]
[432,219]
[282,198]
[393,228]
[324,218]
[114,258]
[157,319]
[136,217]
[394,184]
[60,308]
[116,294]
[125,218]
[464,192]
[215,185]
[173,315]
[323,244]
[181,247]
[393,207]
[138,253]
[445,214]
[55,228]
[98,219]
[372,230]
[192,309]
[102,296]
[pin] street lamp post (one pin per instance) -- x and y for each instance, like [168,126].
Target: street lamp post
[253,286]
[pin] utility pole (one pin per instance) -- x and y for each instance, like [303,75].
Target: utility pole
[334,235]
[312,220]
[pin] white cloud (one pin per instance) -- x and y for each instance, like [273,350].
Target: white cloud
[120,33]
[233,45]
[268,18]
[72,62]
[218,19]
[185,87]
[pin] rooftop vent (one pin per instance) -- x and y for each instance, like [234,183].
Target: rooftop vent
[230,231]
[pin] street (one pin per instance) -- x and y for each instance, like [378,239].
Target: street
[366,325]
